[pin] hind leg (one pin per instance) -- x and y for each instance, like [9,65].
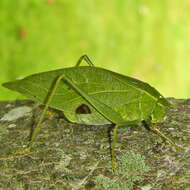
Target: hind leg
[85,58]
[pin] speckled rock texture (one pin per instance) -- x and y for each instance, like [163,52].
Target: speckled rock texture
[70,156]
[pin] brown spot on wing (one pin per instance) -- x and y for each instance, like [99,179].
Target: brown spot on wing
[83,109]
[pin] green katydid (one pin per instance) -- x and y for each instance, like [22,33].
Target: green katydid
[94,96]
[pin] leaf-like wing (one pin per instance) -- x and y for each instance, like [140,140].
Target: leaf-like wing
[123,94]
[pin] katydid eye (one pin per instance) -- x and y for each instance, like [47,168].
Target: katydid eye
[83,109]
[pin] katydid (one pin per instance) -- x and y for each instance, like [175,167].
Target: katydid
[94,96]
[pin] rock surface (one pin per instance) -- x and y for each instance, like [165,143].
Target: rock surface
[71,156]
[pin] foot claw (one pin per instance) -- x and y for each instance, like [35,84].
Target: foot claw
[178,148]
[23,151]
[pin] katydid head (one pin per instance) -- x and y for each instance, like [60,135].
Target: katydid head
[161,108]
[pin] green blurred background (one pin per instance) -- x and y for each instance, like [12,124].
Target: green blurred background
[149,40]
